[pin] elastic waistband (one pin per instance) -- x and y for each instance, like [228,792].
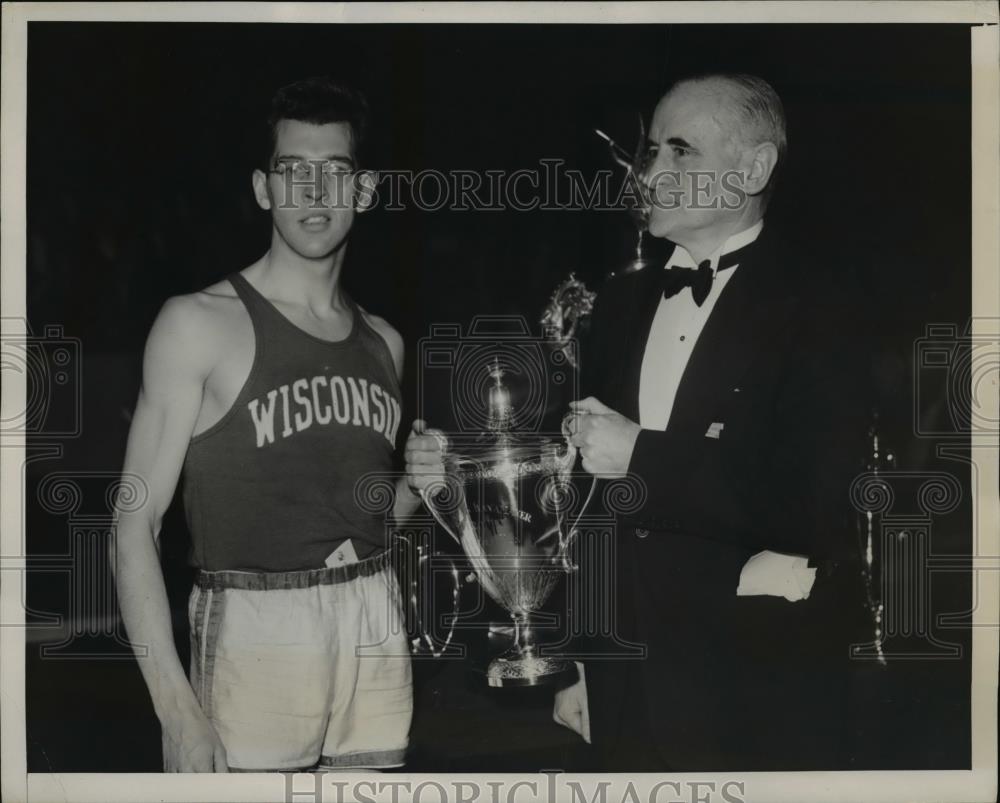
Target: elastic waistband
[270,581]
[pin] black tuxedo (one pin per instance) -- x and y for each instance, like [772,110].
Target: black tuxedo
[734,683]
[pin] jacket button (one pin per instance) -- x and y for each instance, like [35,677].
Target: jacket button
[641,532]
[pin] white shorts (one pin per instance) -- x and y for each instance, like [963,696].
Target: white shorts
[299,670]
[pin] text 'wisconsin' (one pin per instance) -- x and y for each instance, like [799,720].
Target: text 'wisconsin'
[322,400]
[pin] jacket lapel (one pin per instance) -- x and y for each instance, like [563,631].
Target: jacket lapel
[752,311]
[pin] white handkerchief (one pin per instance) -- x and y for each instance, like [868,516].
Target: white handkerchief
[776,574]
[342,555]
[715,430]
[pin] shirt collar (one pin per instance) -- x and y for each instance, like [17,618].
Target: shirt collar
[680,258]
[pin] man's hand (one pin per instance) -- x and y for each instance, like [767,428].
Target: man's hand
[571,710]
[605,438]
[190,744]
[424,457]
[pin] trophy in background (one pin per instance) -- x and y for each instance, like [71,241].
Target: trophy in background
[637,196]
[568,311]
[507,499]
[879,459]
[566,315]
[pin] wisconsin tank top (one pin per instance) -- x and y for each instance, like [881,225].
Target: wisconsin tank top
[270,487]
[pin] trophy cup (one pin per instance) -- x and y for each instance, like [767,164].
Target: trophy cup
[879,459]
[637,197]
[507,500]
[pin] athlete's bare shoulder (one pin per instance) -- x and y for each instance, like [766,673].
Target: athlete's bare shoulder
[199,327]
[221,289]
[205,312]
[393,339]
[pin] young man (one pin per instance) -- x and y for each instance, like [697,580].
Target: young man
[274,392]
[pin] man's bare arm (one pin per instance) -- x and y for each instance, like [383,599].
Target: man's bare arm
[407,499]
[175,366]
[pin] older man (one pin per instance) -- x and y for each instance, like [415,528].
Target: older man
[725,383]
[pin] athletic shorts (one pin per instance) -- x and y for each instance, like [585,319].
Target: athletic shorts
[303,670]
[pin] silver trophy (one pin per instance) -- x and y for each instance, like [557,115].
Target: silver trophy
[879,459]
[637,199]
[571,304]
[508,501]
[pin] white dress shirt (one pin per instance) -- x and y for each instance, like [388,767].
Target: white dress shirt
[676,327]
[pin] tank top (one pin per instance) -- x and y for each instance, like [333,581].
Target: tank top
[270,486]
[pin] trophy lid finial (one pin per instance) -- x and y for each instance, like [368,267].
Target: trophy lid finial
[501,411]
[496,372]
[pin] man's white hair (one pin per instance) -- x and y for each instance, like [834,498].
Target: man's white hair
[759,113]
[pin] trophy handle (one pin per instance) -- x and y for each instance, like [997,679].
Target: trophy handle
[426,498]
[567,466]
[470,548]
[425,638]
[583,508]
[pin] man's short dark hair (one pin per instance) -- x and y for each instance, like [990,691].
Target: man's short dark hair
[318,101]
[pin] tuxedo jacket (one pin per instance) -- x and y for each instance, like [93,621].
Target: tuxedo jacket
[734,682]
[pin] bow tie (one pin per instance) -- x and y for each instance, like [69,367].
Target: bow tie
[698,279]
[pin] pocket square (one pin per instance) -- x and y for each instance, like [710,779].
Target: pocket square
[714,430]
[774,574]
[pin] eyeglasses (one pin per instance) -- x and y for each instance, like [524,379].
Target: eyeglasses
[305,170]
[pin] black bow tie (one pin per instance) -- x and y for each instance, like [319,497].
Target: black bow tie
[698,279]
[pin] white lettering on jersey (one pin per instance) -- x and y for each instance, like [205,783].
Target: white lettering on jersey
[359,398]
[350,403]
[323,414]
[283,390]
[378,417]
[341,401]
[304,419]
[263,421]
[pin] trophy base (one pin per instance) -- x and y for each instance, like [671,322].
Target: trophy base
[526,671]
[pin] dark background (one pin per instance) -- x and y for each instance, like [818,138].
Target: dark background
[141,141]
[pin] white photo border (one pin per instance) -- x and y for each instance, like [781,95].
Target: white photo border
[978,784]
